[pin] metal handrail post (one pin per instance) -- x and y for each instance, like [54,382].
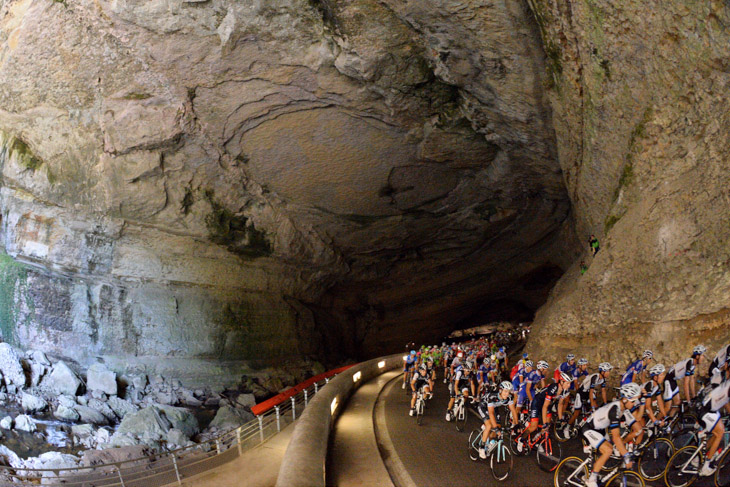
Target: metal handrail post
[238,440]
[316,387]
[218,445]
[293,409]
[119,472]
[261,428]
[177,472]
[278,420]
[305,398]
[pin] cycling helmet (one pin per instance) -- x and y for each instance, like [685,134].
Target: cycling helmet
[464,389]
[493,357]
[468,365]
[570,356]
[460,354]
[656,370]
[524,355]
[413,352]
[506,386]
[604,366]
[583,361]
[529,364]
[501,349]
[565,377]
[630,391]
[542,365]
[422,367]
[429,359]
[699,350]
[648,354]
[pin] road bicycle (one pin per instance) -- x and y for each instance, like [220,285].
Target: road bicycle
[459,413]
[684,466]
[500,457]
[547,452]
[564,432]
[420,406]
[574,472]
[653,455]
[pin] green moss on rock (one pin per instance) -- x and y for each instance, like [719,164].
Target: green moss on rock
[13,284]
[235,231]
[25,157]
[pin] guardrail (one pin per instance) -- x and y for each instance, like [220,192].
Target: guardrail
[172,467]
[304,461]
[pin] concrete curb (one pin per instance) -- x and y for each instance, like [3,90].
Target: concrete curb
[305,458]
[393,464]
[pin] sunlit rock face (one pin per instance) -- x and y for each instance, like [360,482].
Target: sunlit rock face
[214,184]
[642,120]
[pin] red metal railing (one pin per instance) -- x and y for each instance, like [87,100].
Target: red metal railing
[262,407]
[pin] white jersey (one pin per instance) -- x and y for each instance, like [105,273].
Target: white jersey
[722,354]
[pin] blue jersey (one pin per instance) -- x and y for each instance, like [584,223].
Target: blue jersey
[633,369]
[410,361]
[567,368]
[534,377]
[577,376]
[482,373]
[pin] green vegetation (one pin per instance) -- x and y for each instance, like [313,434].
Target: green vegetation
[13,280]
[610,222]
[26,158]
[235,232]
[137,96]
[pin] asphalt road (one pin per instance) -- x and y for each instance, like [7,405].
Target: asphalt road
[436,454]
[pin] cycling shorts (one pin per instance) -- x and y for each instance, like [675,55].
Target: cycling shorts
[710,420]
[671,389]
[594,438]
[521,398]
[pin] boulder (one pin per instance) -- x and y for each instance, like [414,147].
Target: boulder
[82,430]
[62,380]
[246,400]
[150,420]
[53,460]
[38,357]
[121,440]
[228,418]
[37,371]
[121,407]
[102,436]
[9,458]
[65,413]
[91,458]
[3,398]
[177,439]
[89,415]
[67,401]
[23,422]
[6,423]
[10,366]
[32,404]
[99,378]
[103,408]
[181,419]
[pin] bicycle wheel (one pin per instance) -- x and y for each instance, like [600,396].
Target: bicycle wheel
[571,472]
[722,476]
[612,463]
[474,439]
[627,478]
[654,458]
[549,453]
[419,411]
[559,431]
[500,462]
[461,418]
[680,470]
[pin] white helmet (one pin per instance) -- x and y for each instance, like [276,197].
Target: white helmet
[648,354]
[699,350]
[529,363]
[630,391]
[542,365]
[658,369]
[565,377]
[571,356]
[604,366]
[583,361]
[506,386]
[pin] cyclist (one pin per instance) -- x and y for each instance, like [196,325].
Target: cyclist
[651,391]
[483,376]
[711,404]
[502,359]
[568,367]
[685,369]
[431,374]
[541,404]
[637,368]
[408,364]
[419,381]
[608,418]
[448,358]
[585,399]
[520,385]
[541,374]
[581,370]
[462,381]
[487,411]
[718,367]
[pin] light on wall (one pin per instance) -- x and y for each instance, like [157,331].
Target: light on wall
[356,377]
[333,406]
[381,364]
[405,357]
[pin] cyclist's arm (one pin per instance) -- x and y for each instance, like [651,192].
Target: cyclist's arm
[528,390]
[592,396]
[513,410]
[545,407]
[685,382]
[603,394]
[492,416]
[662,407]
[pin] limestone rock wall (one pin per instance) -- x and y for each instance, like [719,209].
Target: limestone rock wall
[246,182]
[638,91]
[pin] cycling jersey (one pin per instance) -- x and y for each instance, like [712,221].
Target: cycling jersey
[684,368]
[482,374]
[492,400]
[605,418]
[567,368]
[550,393]
[650,389]
[419,381]
[577,376]
[410,362]
[671,388]
[593,381]
[721,356]
[635,368]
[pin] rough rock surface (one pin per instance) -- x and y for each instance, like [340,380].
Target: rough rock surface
[10,366]
[62,380]
[206,186]
[99,378]
[228,418]
[31,403]
[642,122]
[23,422]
